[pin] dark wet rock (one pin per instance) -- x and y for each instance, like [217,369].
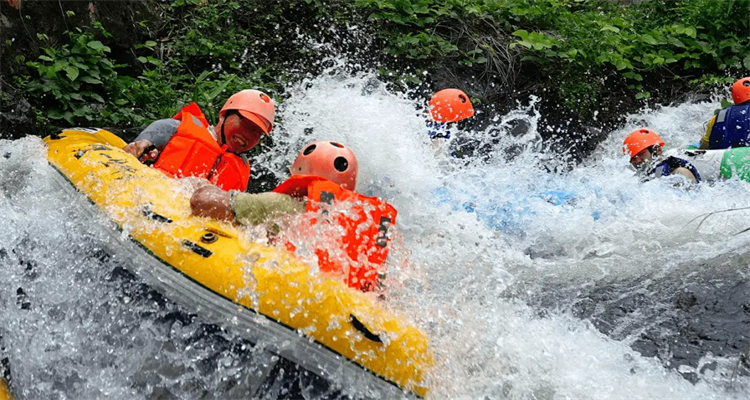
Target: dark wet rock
[678,318]
[16,117]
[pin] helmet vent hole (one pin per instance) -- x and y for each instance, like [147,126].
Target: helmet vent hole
[339,145]
[746,82]
[309,149]
[264,97]
[341,164]
[462,98]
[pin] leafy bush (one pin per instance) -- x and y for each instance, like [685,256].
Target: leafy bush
[79,76]
[613,44]
[203,51]
[208,51]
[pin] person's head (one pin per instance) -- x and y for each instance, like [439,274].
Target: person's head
[244,119]
[330,160]
[642,145]
[741,91]
[450,105]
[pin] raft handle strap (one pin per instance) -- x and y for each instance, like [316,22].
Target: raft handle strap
[197,249]
[156,217]
[358,325]
[382,238]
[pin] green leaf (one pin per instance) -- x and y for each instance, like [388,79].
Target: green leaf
[96,97]
[45,58]
[610,28]
[643,95]
[746,62]
[202,76]
[150,43]
[72,72]
[68,117]
[91,80]
[96,45]
[75,96]
[212,95]
[142,59]
[648,39]
[54,114]
[522,33]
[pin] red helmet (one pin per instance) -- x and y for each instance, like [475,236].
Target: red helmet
[330,160]
[253,105]
[450,105]
[741,91]
[639,140]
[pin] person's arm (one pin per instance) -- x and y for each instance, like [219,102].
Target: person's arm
[686,173]
[244,208]
[707,136]
[156,134]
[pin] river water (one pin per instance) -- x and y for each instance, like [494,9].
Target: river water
[531,283]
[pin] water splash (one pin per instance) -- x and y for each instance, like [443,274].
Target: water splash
[491,259]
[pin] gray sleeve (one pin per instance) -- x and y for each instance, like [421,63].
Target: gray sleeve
[159,132]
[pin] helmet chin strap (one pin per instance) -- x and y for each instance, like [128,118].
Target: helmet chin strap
[223,137]
[223,122]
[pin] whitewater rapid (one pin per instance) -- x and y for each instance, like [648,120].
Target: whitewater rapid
[477,245]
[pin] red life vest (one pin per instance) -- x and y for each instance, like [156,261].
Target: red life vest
[365,228]
[193,151]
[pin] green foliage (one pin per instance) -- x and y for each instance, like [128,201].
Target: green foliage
[203,51]
[696,40]
[78,75]
[204,59]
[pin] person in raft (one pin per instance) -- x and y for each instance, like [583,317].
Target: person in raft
[645,149]
[187,145]
[730,127]
[324,175]
[447,107]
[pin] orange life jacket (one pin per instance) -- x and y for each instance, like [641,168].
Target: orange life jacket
[365,226]
[193,151]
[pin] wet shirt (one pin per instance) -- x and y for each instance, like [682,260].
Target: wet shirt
[160,131]
[670,164]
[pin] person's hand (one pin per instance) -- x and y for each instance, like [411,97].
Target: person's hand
[210,201]
[140,147]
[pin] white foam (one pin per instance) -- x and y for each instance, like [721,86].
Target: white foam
[460,275]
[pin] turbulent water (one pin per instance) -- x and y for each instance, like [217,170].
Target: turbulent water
[532,284]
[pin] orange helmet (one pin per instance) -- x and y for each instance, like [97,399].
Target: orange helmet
[450,105]
[741,91]
[330,160]
[253,105]
[639,140]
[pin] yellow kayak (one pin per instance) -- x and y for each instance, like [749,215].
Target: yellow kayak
[260,291]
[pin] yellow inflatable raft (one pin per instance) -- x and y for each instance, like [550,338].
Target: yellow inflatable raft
[262,292]
[5,391]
